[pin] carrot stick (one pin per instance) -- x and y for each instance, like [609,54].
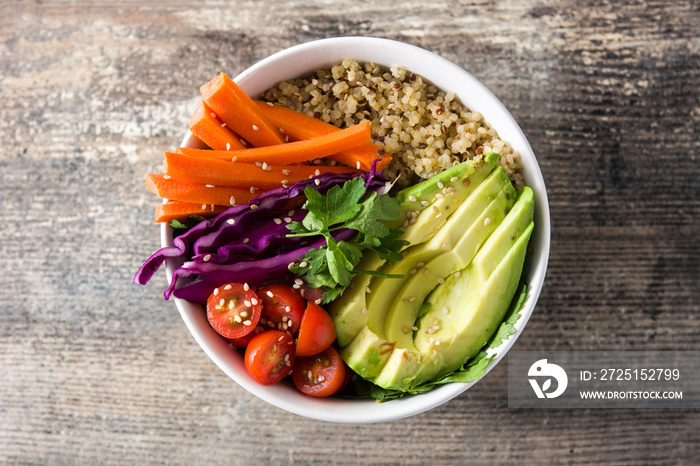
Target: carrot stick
[239,112]
[298,126]
[211,131]
[186,191]
[242,175]
[292,152]
[181,210]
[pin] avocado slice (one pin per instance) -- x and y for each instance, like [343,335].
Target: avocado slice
[349,310]
[386,293]
[464,311]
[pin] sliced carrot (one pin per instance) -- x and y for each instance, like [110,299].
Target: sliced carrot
[242,175]
[293,152]
[233,107]
[181,210]
[212,132]
[186,191]
[298,126]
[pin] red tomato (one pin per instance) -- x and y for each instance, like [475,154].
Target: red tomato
[282,307]
[316,332]
[269,356]
[320,375]
[243,341]
[311,294]
[233,310]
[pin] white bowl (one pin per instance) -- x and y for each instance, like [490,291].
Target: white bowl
[301,60]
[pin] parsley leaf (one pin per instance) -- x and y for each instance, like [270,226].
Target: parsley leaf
[346,206]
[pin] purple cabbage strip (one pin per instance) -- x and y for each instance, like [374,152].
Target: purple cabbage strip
[211,275]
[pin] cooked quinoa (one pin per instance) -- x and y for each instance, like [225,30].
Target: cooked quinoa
[423,128]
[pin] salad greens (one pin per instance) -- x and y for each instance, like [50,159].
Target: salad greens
[343,207]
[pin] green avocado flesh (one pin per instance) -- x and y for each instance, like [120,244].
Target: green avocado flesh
[468,230]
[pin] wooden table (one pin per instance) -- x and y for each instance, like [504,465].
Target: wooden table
[94,369]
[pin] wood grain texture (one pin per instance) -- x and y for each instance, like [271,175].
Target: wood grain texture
[94,369]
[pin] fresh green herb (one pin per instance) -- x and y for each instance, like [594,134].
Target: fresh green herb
[348,206]
[182,227]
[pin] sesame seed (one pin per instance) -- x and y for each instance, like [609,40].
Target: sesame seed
[459,335]
[227,287]
[232,304]
[252,190]
[210,186]
[234,158]
[237,318]
[204,206]
[271,324]
[270,104]
[231,221]
[440,196]
[414,271]
[290,265]
[247,303]
[425,272]
[437,342]
[420,264]
[242,141]
[438,215]
[303,264]
[298,281]
[244,314]
[269,293]
[318,301]
[258,164]
[246,240]
[232,201]
[167,177]
[216,291]
[454,179]
[254,301]
[425,203]
[487,220]
[222,302]
[228,146]
[212,114]
[223,125]
[255,128]
[365,311]
[445,310]
[435,209]
[444,246]
[405,223]
[277,221]
[458,274]
[207,257]
[212,207]
[288,309]
[405,329]
[264,166]
[411,299]
[287,220]
[317,172]
[412,221]
[432,340]
[367,289]
[246,287]
[247,322]
[412,198]
[357,164]
[291,213]
[317,182]
[440,185]
[253,206]
[414,328]
[286,172]
[440,280]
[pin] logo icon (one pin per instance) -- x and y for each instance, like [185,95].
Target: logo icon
[542,368]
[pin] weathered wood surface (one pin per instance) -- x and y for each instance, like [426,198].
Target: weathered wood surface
[96,370]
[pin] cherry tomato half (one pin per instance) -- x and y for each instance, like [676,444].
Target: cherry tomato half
[269,356]
[316,332]
[320,375]
[233,310]
[282,307]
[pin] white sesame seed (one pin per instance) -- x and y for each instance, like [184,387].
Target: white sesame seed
[252,190]
[432,340]
[420,264]
[216,291]
[298,281]
[405,223]
[288,309]
[317,172]
[411,299]
[243,141]
[228,146]
[290,265]
[458,274]
[414,271]
[258,164]
[286,172]
[212,114]
[445,310]
[440,184]
[365,311]
[440,196]
[247,303]
[204,206]
[253,301]
[237,319]
[291,213]
[210,186]
[318,301]
[234,158]
[212,207]
[444,246]
[227,287]
[246,287]
[453,179]
[412,198]
[437,342]
[231,221]
[167,177]
[255,128]
[440,280]
[405,329]
[367,289]
[277,221]
[459,335]
[357,165]
[253,206]
[303,264]
[270,104]
[247,322]
[487,220]
[244,314]
[287,220]
[317,182]
[232,304]
[206,258]
[246,240]
[222,302]
[414,328]
[425,203]
[438,215]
